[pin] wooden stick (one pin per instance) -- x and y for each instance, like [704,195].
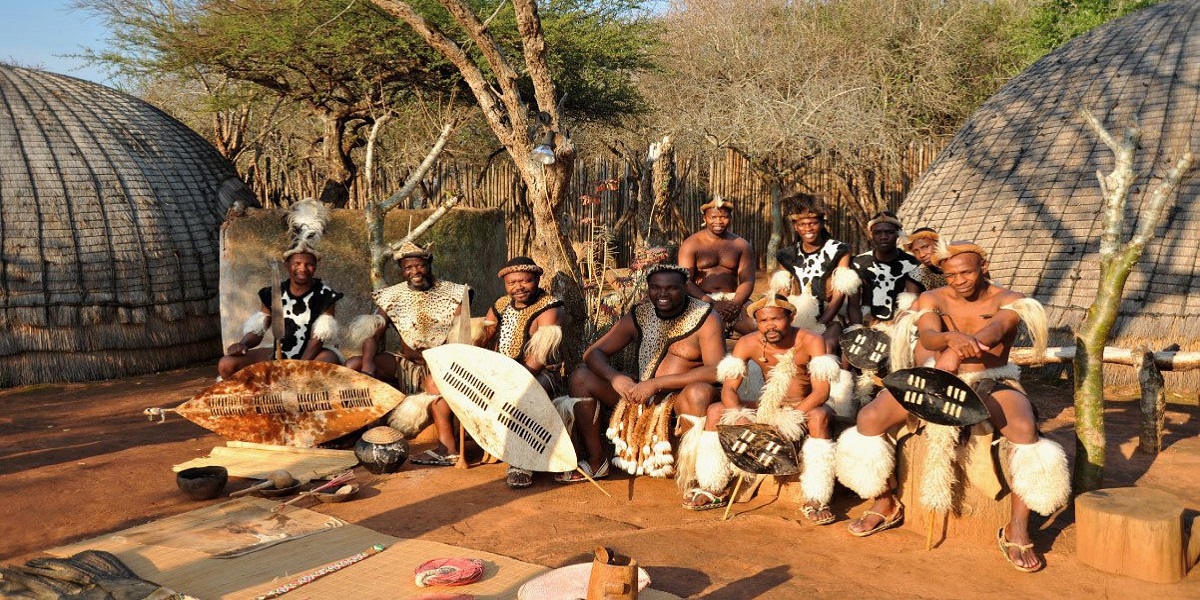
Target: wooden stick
[589,478]
[929,534]
[462,448]
[732,498]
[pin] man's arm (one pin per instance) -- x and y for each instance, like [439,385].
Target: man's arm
[370,346]
[549,318]
[250,339]
[834,306]
[819,389]
[687,260]
[933,337]
[747,268]
[490,329]
[315,345]
[712,349]
[596,356]
[1004,323]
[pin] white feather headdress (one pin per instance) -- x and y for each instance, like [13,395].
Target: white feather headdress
[306,224]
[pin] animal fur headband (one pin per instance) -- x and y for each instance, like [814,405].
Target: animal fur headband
[884,217]
[411,250]
[306,225]
[945,251]
[806,214]
[776,300]
[927,234]
[669,267]
[717,202]
[520,264]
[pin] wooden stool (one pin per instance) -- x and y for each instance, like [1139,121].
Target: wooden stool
[1136,532]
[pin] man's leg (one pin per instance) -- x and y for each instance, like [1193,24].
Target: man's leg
[818,456]
[228,365]
[866,459]
[590,388]
[832,337]
[328,356]
[702,469]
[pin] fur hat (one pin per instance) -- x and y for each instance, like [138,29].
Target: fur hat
[885,216]
[411,250]
[669,267]
[519,264]
[945,251]
[716,202]
[924,233]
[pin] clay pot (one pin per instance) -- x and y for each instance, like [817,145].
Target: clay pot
[382,450]
[202,483]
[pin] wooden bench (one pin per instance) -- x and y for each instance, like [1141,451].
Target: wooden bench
[1135,531]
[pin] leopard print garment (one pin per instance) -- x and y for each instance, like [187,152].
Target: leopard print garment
[423,319]
[657,334]
[928,278]
[515,322]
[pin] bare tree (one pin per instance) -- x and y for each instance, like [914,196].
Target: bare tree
[1117,260]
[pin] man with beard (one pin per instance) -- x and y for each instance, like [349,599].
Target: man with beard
[798,373]
[308,303]
[525,325]
[679,342]
[721,264]
[970,325]
[426,312]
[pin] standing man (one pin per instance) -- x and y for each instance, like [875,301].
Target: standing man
[679,343]
[526,325]
[820,268]
[970,325]
[308,304]
[426,312]
[799,373]
[721,266]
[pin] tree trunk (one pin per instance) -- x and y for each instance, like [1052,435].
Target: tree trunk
[339,169]
[776,222]
[375,220]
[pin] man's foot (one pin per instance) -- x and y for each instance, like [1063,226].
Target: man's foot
[518,478]
[698,499]
[576,477]
[878,518]
[817,514]
[1020,556]
[431,458]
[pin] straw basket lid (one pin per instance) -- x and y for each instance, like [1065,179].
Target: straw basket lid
[382,435]
[503,407]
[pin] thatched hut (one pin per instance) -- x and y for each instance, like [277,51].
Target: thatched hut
[109,218]
[1020,176]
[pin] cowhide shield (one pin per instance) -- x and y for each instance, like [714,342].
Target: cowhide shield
[866,348]
[502,406]
[298,403]
[936,396]
[758,449]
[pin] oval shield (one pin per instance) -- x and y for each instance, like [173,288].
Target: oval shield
[866,348]
[758,449]
[937,396]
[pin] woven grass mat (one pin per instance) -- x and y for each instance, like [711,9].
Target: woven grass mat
[255,461]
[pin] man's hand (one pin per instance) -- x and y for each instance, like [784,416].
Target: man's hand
[621,384]
[236,349]
[413,355]
[641,393]
[964,345]
[727,308]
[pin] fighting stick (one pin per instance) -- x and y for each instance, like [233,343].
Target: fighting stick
[589,478]
[732,498]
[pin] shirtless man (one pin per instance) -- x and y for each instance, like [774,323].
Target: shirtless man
[721,264]
[679,343]
[820,268]
[798,371]
[970,324]
[526,325]
[308,303]
[426,312]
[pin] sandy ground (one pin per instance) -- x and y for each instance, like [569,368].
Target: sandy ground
[80,460]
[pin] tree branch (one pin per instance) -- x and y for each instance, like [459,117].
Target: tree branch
[1115,185]
[415,177]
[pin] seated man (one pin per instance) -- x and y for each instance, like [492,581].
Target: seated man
[970,324]
[922,244]
[722,266]
[526,326]
[426,312]
[308,304]
[679,342]
[798,374]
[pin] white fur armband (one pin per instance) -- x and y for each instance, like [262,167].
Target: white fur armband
[904,301]
[543,344]
[327,330]
[846,281]
[900,355]
[730,367]
[824,368]
[1034,314]
[256,323]
[808,312]
[361,328]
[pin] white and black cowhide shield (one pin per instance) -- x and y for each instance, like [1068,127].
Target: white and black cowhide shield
[866,348]
[937,396]
[758,449]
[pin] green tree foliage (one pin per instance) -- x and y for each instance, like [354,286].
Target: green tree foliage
[1053,23]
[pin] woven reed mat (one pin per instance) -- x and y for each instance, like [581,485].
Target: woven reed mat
[255,461]
[386,575]
[222,530]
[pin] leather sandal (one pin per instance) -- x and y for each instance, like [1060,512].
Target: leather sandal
[1005,545]
[811,513]
[888,522]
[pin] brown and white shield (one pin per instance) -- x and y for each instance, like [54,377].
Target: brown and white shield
[298,403]
[758,449]
[866,348]
[937,396]
[502,406]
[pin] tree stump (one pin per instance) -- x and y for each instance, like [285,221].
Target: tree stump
[980,508]
[1136,532]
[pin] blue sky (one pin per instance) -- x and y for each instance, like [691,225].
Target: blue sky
[33,32]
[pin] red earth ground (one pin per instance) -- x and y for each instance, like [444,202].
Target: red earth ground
[79,460]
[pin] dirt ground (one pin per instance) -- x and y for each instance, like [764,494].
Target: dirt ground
[80,460]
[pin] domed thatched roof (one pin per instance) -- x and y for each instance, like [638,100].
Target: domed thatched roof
[109,218]
[1020,176]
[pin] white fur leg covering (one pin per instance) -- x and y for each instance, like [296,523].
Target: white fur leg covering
[938,478]
[256,323]
[327,330]
[846,281]
[841,395]
[730,416]
[1040,476]
[864,463]
[566,409]
[713,469]
[864,387]
[689,447]
[791,424]
[361,328]
[731,367]
[412,415]
[819,458]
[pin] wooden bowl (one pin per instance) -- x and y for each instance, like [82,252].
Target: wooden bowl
[280,492]
[342,494]
[202,483]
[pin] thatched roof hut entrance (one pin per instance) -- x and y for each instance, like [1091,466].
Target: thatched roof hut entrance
[109,219]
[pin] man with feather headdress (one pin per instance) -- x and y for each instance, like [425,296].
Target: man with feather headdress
[310,329]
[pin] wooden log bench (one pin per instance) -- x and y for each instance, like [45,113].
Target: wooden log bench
[1137,532]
